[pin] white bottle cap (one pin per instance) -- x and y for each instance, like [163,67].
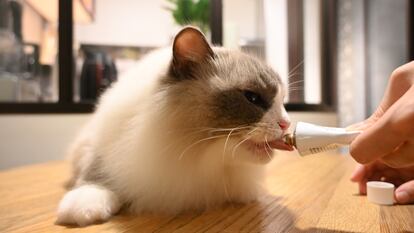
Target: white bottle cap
[381,193]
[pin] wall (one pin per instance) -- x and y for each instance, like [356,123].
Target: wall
[29,139]
[246,16]
[32,25]
[128,23]
[276,27]
[387,44]
[351,62]
[372,42]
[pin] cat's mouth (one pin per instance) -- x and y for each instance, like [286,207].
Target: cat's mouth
[266,147]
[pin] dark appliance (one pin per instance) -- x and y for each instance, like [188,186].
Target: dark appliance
[98,72]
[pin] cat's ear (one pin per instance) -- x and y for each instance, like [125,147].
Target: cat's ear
[190,48]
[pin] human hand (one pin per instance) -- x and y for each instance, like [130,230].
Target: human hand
[386,144]
[388,135]
[403,178]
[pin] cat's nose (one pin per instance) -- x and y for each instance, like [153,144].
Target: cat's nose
[283,124]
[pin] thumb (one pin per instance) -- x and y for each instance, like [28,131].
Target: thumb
[405,193]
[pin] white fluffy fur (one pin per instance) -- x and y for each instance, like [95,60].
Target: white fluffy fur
[142,156]
[87,204]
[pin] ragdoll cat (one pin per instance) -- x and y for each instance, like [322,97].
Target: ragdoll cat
[189,128]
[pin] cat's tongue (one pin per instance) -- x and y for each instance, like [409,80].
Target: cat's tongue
[280,145]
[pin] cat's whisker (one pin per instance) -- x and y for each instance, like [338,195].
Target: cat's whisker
[299,89]
[290,77]
[296,82]
[291,82]
[192,130]
[237,145]
[268,147]
[296,67]
[183,138]
[225,145]
[213,130]
[252,131]
[264,123]
[230,129]
[292,87]
[199,141]
[268,126]
[202,129]
[205,129]
[295,87]
[241,142]
[209,130]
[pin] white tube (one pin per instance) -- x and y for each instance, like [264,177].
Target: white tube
[311,139]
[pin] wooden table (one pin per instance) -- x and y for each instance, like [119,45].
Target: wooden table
[310,194]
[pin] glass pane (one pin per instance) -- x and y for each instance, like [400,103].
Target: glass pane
[28,51]
[261,27]
[117,33]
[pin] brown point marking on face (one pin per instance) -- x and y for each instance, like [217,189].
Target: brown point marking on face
[232,109]
[217,96]
[230,106]
[210,86]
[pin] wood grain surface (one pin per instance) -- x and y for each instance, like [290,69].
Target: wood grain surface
[310,194]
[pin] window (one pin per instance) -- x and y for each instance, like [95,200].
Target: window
[85,40]
[42,83]
[295,37]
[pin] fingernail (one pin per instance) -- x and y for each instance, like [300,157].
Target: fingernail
[402,197]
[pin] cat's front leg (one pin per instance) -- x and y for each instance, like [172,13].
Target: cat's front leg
[87,204]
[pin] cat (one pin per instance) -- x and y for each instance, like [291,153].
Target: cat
[188,129]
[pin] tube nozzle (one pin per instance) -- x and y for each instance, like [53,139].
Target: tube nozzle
[311,139]
[290,139]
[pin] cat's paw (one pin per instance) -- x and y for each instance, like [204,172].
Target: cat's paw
[86,205]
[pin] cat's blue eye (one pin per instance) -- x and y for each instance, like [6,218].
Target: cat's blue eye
[255,99]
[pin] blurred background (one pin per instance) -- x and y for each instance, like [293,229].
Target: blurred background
[58,56]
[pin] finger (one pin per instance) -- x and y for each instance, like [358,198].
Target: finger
[368,122]
[402,157]
[378,140]
[379,112]
[399,82]
[397,90]
[365,171]
[357,126]
[363,187]
[359,173]
[405,193]
[360,176]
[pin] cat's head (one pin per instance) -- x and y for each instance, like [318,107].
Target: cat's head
[227,97]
